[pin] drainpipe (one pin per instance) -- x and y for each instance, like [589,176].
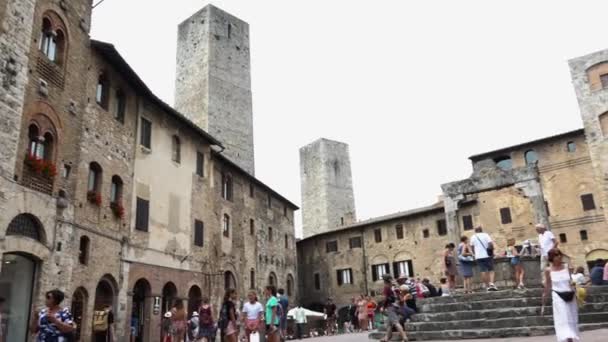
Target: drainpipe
[364,262]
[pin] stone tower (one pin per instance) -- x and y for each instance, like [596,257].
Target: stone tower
[213,80]
[328,201]
[590,79]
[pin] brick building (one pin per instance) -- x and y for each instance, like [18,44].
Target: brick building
[115,197]
[551,180]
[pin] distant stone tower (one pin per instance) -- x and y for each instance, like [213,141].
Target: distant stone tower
[213,80]
[328,201]
[590,80]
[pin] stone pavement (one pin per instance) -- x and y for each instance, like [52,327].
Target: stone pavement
[600,335]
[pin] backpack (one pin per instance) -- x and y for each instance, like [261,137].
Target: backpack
[100,321]
[205,317]
[222,322]
[280,310]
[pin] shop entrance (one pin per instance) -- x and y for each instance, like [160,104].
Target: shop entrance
[16,285]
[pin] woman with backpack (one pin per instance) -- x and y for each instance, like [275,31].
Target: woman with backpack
[52,323]
[228,317]
[206,329]
[272,314]
[179,319]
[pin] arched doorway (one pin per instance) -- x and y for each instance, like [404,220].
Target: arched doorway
[78,309]
[595,255]
[229,280]
[169,296]
[105,293]
[194,299]
[140,318]
[16,285]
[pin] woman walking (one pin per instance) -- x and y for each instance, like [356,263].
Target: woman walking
[272,316]
[371,311]
[565,310]
[252,314]
[390,308]
[516,263]
[52,323]
[449,263]
[362,314]
[206,329]
[179,321]
[231,331]
[465,256]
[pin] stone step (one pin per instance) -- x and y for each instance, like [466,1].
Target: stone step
[499,313]
[483,333]
[509,322]
[516,302]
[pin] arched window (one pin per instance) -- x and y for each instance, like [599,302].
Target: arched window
[531,157]
[272,279]
[226,186]
[121,106]
[176,149]
[504,162]
[116,189]
[52,38]
[102,90]
[226,226]
[95,174]
[47,146]
[289,285]
[35,148]
[229,280]
[26,225]
[83,250]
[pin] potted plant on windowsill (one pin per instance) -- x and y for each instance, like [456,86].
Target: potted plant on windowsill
[40,166]
[117,209]
[94,197]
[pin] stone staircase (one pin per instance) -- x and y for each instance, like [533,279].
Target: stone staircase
[501,314]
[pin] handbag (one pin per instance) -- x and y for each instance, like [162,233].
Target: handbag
[566,296]
[254,337]
[489,250]
[463,258]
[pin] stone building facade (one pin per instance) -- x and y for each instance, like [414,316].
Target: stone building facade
[113,196]
[550,180]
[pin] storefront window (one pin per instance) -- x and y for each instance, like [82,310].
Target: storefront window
[16,280]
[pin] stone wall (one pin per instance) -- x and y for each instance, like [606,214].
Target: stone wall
[213,80]
[328,200]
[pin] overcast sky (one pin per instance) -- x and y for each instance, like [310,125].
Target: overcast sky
[415,87]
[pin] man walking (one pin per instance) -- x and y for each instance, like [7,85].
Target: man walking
[300,321]
[284,303]
[546,242]
[330,312]
[483,248]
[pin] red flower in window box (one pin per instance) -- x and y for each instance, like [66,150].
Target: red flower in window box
[41,166]
[94,197]
[49,169]
[117,209]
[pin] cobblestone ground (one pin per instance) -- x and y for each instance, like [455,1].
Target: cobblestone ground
[587,336]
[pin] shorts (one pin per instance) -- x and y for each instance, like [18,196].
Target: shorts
[485,264]
[515,261]
[268,327]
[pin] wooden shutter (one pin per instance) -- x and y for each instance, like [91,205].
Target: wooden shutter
[350,276]
[396,269]
[387,268]
[467,222]
[142,213]
[198,233]
[505,215]
[374,273]
[339,274]
[410,267]
[588,203]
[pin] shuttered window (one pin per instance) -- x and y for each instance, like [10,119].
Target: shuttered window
[379,270]
[425,233]
[200,164]
[399,231]
[354,242]
[442,228]
[331,246]
[146,133]
[405,267]
[588,203]
[467,222]
[505,215]
[198,233]
[142,213]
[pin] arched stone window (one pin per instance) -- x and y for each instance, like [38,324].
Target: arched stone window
[176,149]
[121,106]
[53,40]
[26,225]
[290,284]
[531,157]
[229,280]
[95,177]
[272,279]
[83,250]
[504,162]
[227,186]
[102,90]
[116,189]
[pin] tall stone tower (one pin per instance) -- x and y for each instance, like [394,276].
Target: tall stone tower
[328,200]
[590,79]
[213,80]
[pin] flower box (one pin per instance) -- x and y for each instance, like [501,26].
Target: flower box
[117,209]
[94,197]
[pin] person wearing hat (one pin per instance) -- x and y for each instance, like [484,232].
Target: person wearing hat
[546,242]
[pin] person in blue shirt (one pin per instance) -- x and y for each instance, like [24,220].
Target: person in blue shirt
[284,302]
[597,273]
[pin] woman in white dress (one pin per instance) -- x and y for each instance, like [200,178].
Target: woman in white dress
[565,310]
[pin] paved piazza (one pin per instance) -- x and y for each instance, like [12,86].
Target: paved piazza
[587,336]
